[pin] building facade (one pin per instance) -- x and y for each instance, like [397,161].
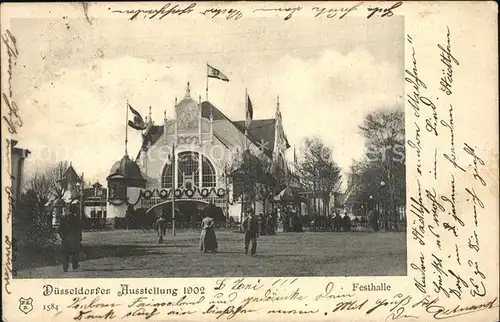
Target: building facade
[18,156]
[76,193]
[191,159]
[70,184]
[95,205]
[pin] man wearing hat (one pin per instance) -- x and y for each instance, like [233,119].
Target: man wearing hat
[70,230]
[160,228]
[251,227]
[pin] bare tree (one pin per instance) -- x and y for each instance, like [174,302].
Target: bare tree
[54,174]
[228,166]
[384,135]
[264,191]
[45,182]
[319,172]
[39,186]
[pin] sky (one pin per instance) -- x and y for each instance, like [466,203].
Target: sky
[72,80]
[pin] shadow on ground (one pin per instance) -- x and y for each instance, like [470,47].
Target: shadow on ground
[117,254]
[28,259]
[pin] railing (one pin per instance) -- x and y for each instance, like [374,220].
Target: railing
[153,201]
[187,226]
[150,203]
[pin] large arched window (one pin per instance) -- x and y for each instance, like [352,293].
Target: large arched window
[208,173]
[188,170]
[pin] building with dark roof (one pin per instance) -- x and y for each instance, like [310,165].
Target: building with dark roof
[18,155]
[95,205]
[190,156]
[92,201]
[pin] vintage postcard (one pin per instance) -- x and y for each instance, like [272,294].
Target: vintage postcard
[250,161]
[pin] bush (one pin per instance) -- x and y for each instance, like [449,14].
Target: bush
[139,219]
[86,223]
[346,223]
[32,225]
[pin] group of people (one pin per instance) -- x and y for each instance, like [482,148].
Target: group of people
[208,238]
[251,225]
[70,231]
[267,223]
[290,221]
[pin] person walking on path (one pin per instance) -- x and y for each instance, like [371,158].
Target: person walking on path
[160,228]
[208,239]
[70,231]
[251,227]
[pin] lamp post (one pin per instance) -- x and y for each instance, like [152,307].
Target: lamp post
[382,185]
[80,187]
[369,204]
[172,157]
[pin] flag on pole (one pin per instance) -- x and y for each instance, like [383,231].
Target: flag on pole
[138,122]
[215,73]
[249,112]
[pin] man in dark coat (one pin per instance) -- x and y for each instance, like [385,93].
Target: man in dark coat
[262,224]
[251,227]
[70,230]
[337,222]
[373,217]
[346,223]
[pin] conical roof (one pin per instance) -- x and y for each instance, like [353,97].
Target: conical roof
[70,175]
[128,172]
[97,185]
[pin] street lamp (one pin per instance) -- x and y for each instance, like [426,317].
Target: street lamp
[171,157]
[369,204]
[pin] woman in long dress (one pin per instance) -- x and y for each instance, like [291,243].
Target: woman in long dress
[208,240]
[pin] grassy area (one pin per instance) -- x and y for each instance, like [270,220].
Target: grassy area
[137,254]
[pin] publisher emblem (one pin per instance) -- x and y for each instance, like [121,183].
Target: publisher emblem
[26,305]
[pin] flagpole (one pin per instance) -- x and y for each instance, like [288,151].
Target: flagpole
[207,84]
[173,189]
[126,129]
[246,116]
[245,147]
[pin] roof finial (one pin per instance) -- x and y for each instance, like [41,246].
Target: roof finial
[176,101]
[188,91]
[165,114]
[150,113]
